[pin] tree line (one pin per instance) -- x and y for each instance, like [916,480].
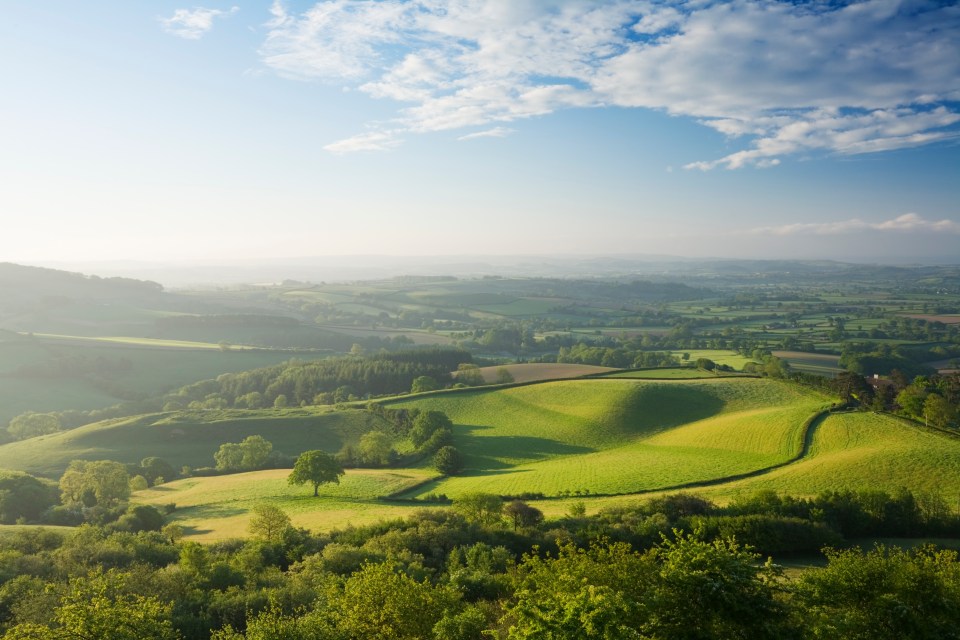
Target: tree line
[676,566]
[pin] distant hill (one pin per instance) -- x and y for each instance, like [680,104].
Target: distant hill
[23,287]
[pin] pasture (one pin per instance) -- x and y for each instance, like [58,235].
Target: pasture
[672,373]
[147,371]
[187,438]
[537,371]
[218,507]
[866,451]
[720,356]
[618,436]
[821,364]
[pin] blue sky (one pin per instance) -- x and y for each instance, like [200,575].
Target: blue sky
[168,131]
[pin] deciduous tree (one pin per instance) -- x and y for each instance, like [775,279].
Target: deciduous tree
[316,467]
[102,482]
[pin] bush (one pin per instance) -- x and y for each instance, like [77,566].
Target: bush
[448,461]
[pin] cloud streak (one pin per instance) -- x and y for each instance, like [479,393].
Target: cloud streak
[778,79]
[193,24]
[908,222]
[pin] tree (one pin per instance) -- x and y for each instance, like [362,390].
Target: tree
[425,424]
[448,461]
[937,411]
[316,467]
[424,383]
[581,593]
[252,453]
[154,469]
[268,522]
[522,514]
[101,482]
[228,457]
[706,364]
[375,448]
[911,400]
[98,607]
[504,376]
[485,508]
[23,496]
[886,593]
[380,602]
[469,374]
[256,451]
[29,425]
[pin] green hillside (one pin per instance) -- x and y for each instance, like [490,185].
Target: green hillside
[620,436]
[867,450]
[187,438]
[219,507]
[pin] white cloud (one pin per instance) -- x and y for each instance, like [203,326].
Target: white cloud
[908,222]
[374,141]
[496,132]
[193,24]
[778,78]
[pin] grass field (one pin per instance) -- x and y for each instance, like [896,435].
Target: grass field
[218,507]
[867,450]
[619,436]
[720,356]
[187,438]
[848,451]
[686,373]
[535,371]
[821,364]
[138,342]
[152,371]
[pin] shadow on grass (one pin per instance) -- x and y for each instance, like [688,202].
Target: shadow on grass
[656,408]
[482,452]
[189,530]
[210,511]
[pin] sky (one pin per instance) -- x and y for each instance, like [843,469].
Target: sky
[230,131]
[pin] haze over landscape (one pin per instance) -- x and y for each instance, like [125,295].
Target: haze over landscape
[237,131]
[480,319]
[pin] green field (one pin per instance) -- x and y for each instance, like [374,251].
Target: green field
[151,372]
[619,436]
[720,356]
[187,438]
[218,507]
[685,373]
[867,450]
[138,342]
[821,364]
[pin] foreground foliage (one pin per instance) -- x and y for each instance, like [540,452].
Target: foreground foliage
[676,567]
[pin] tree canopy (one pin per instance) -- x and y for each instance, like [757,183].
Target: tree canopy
[101,482]
[316,467]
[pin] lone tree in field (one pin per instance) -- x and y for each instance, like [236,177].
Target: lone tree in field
[448,461]
[317,467]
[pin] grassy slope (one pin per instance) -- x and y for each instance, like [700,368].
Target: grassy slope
[848,451]
[534,371]
[619,436]
[152,371]
[687,373]
[859,450]
[218,507]
[189,438]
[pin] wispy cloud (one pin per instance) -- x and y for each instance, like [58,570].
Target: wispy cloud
[496,132]
[908,222]
[777,78]
[193,24]
[374,141]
